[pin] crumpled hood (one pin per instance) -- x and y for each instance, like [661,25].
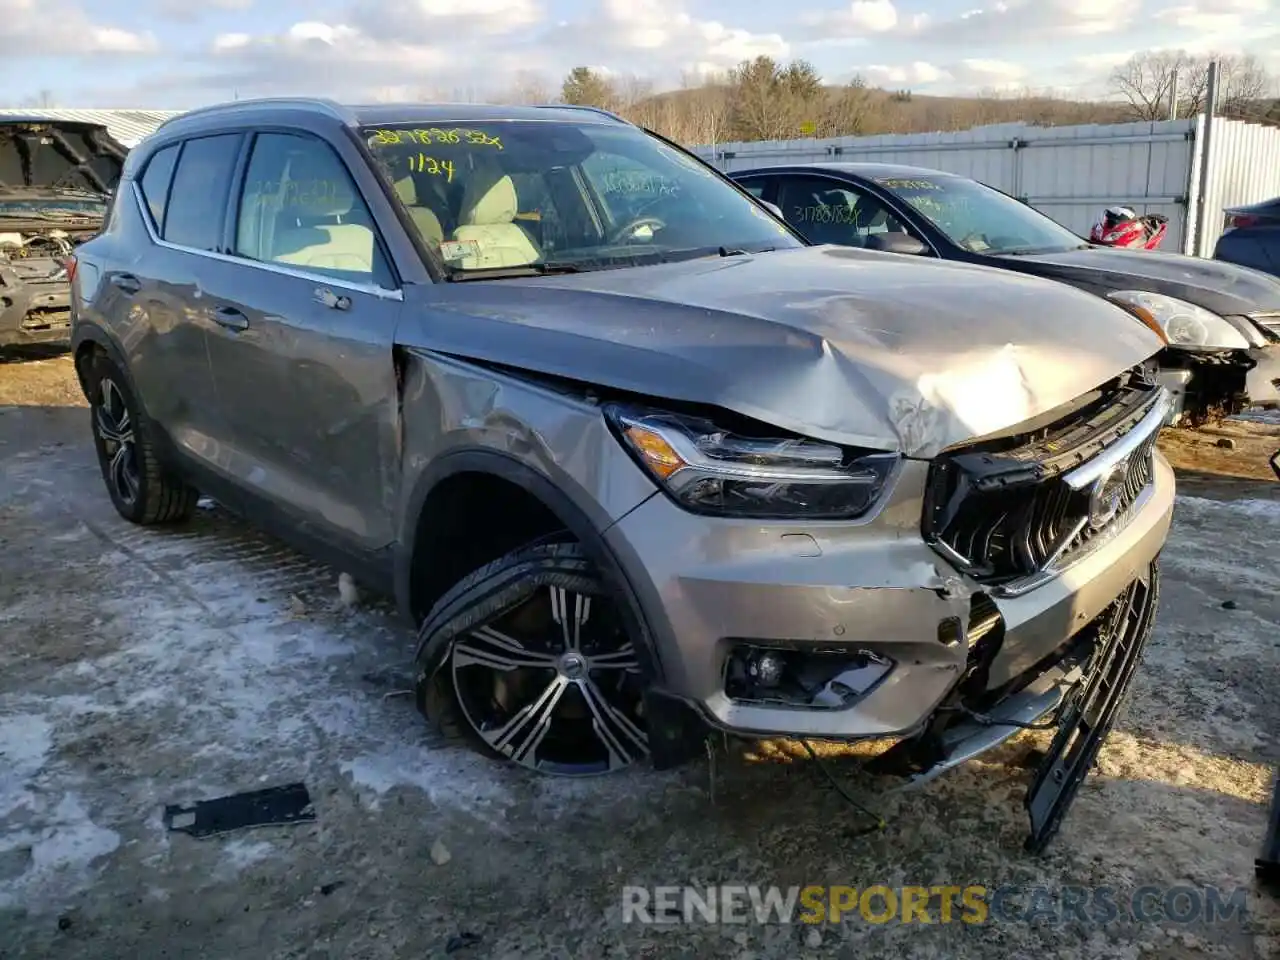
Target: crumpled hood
[37,154]
[1224,288]
[849,346]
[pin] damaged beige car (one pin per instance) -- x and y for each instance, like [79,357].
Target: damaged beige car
[638,462]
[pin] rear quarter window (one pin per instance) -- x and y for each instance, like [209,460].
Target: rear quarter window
[155,181]
[197,203]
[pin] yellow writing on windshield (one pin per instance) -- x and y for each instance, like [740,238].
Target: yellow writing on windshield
[896,184]
[434,135]
[425,164]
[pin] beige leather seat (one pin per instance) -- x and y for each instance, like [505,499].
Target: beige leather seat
[316,227]
[489,206]
[424,218]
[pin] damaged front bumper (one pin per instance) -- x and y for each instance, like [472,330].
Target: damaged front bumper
[882,636]
[35,302]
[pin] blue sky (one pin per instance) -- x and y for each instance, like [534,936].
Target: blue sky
[181,53]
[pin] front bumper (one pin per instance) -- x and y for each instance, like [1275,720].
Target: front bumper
[707,585]
[33,311]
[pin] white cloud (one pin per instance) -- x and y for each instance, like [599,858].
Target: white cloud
[430,21]
[911,74]
[858,19]
[1014,22]
[1212,15]
[29,29]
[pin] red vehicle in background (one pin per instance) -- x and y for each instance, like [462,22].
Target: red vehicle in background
[1122,227]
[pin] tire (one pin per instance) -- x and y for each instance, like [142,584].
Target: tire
[143,489]
[526,659]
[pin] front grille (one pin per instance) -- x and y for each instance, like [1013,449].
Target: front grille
[1014,513]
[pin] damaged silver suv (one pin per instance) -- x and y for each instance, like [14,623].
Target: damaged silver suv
[638,462]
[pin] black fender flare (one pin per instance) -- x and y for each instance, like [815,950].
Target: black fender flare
[506,467]
[84,333]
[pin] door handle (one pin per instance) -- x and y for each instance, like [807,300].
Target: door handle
[126,282]
[334,301]
[231,318]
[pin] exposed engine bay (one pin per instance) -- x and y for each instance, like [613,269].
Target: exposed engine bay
[35,292]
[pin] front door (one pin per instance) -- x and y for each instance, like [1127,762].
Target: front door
[305,310]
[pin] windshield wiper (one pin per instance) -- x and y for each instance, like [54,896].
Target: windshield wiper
[507,273]
[54,215]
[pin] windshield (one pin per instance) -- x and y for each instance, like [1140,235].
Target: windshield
[564,196]
[979,219]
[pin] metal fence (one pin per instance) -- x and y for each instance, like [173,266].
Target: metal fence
[1071,173]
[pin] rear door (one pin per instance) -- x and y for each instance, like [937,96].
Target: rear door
[142,278]
[300,348]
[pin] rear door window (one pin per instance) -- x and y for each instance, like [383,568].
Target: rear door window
[155,183]
[198,198]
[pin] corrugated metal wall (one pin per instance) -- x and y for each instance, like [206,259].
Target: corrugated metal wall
[1244,168]
[1068,173]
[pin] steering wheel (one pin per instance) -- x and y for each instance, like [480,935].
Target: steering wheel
[629,228]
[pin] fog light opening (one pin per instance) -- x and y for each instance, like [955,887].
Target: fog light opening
[816,679]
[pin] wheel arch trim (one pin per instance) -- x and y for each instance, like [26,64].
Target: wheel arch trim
[560,504]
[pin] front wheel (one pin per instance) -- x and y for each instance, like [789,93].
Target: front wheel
[143,490]
[539,668]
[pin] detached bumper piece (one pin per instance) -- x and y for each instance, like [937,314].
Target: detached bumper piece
[1089,713]
[1268,863]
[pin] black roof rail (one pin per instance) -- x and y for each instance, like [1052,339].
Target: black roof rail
[582,106]
[318,104]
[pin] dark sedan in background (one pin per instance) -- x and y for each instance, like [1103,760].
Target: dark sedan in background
[1222,322]
[1252,237]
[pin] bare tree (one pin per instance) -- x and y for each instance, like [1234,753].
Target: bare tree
[528,87]
[1149,81]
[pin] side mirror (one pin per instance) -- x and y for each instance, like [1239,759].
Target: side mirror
[896,243]
[774,209]
[1275,463]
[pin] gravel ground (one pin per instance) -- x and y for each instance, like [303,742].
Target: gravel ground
[139,668]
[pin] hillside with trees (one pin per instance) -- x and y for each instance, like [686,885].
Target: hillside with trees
[766,100]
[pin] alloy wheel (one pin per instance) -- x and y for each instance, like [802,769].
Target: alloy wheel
[114,426]
[554,684]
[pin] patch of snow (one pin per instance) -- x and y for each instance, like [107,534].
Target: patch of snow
[453,778]
[1258,415]
[25,743]
[239,854]
[60,855]
[1256,509]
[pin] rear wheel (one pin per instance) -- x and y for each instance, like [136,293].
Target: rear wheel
[539,668]
[142,488]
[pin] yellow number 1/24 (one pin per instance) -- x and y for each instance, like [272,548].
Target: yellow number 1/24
[424,164]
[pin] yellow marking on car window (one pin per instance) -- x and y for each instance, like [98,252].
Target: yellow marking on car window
[425,164]
[430,136]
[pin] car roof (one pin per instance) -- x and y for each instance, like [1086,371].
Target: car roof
[386,114]
[869,171]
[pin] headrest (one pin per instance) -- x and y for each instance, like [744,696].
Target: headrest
[316,185]
[490,198]
[407,191]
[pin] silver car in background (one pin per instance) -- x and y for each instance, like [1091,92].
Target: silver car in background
[638,462]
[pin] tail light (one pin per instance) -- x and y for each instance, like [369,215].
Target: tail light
[1237,220]
[70,265]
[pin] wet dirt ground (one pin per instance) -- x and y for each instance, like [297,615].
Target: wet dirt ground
[140,668]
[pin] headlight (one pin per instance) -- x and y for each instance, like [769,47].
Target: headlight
[1182,324]
[708,470]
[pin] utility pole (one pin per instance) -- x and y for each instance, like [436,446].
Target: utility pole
[1173,95]
[1210,110]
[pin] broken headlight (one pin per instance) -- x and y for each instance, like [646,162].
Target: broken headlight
[1182,324]
[709,470]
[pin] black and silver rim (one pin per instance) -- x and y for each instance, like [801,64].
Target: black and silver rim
[553,683]
[115,430]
